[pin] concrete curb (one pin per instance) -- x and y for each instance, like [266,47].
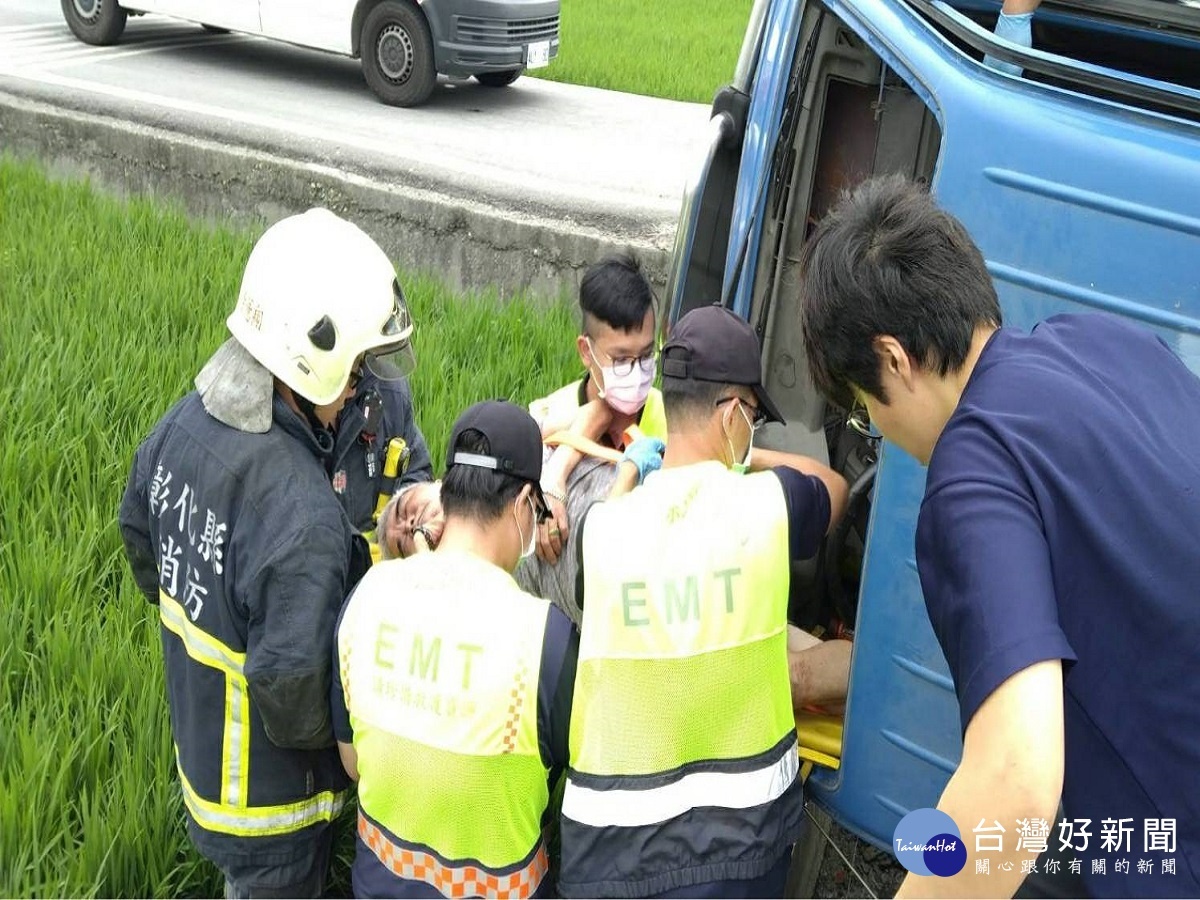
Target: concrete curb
[465,244]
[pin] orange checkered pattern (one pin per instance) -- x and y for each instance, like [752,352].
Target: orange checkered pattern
[465,881]
[516,701]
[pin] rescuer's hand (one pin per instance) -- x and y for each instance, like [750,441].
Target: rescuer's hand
[646,453]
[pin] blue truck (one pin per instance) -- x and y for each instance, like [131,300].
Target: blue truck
[1079,178]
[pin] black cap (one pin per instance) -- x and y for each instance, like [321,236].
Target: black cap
[713,344]
[513,436]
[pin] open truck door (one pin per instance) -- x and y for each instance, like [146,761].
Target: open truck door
[1080,182]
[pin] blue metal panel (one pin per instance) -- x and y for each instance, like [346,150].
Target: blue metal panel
[1077,204]
[901,740]
[762,133]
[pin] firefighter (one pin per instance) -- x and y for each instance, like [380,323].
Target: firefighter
[452,705]
[232,529]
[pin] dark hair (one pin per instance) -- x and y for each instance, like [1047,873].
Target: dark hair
[616,292]
[472,492]
[687,401]
[888,261]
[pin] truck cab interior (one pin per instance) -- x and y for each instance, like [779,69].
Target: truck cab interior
[847,115]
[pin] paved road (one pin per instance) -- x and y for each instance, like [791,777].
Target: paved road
[597,158]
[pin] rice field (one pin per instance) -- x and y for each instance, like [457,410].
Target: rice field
[107,311]
[678,49]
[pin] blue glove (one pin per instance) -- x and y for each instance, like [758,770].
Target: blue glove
[1016,29]
[645,453]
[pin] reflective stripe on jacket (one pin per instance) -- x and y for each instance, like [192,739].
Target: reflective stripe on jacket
[242,544]
[441,687]
[683,749]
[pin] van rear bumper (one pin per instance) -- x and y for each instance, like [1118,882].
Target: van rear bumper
[472,36]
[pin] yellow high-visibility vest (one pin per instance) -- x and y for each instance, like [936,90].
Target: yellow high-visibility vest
[652,422]
[439,661]
[682,698]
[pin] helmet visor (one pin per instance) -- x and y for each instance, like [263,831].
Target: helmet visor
[395,359]
[391,363]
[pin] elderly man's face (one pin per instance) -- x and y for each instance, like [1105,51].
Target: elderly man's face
[420,508]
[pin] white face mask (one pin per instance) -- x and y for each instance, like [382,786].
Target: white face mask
[744,466]
[625,393]
[527,547]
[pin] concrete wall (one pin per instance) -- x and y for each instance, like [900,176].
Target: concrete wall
[464,244]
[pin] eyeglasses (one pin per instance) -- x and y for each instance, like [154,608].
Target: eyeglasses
[859,420]
[624,365]
[757,420]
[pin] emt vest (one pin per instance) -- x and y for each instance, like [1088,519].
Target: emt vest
[441,684]
[652,421]
[683,747]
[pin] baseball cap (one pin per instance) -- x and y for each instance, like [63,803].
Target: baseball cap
[714,344]
[513,437]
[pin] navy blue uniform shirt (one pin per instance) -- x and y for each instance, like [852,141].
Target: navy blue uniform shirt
[1061,520]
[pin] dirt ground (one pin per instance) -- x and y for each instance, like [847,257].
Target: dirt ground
[858,870]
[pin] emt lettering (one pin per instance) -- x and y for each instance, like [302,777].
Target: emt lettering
[679,600]
[424,656]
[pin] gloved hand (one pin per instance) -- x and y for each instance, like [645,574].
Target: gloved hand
[1016,29]
[645,453]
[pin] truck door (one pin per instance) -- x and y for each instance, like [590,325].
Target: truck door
[1079,188]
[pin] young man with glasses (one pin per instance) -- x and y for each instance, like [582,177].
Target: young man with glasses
[683,772]
[589,421]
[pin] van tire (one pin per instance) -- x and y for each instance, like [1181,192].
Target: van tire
[98,22]
[498,79]
[397,54]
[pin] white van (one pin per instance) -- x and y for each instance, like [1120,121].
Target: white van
[403,44]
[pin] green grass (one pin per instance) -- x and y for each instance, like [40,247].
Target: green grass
[108,310]
[679,49]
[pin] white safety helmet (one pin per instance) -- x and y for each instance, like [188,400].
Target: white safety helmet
[317,294]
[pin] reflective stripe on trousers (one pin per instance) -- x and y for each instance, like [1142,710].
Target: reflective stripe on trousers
[260,821]
[453,881]
[232,814]
[631,807]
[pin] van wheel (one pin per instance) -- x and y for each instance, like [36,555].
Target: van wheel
[397,54]
[498,79]
[94,21]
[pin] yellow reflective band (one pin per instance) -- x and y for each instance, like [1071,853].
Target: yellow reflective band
[259,821]
[208,651]
[200,646]
[235,746]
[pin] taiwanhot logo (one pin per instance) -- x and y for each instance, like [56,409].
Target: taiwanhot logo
[927,842]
